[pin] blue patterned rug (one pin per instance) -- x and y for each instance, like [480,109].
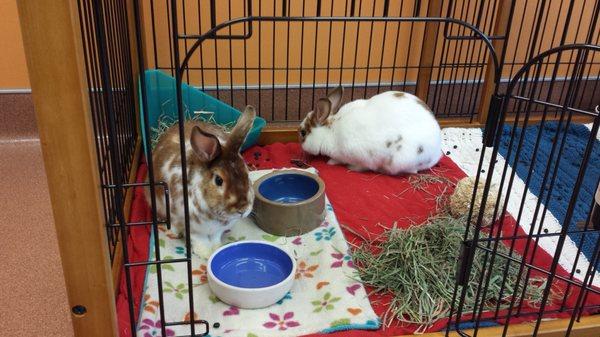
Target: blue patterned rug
[577,137]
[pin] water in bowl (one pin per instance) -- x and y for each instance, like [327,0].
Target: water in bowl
[251,265]
[289,188]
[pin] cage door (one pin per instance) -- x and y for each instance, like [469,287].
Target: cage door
[532,252]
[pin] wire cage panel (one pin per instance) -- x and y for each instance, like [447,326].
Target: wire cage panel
[453,66]
[544,244]
[537,26]
[282,55]
[283,67]
[541,25]
[107,54]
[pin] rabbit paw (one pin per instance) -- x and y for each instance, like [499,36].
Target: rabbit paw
[332,161]
[176,231]
[201,249]
[174,234]
[357,168]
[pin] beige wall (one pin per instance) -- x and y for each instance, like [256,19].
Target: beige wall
[13,70]
[358,43]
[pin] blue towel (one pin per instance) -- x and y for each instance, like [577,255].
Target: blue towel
[577,137]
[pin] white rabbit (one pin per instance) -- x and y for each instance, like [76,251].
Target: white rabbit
[219,189]
[392,132]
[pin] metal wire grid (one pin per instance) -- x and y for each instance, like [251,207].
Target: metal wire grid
[158,261]
[112,145]
[286,65]
[111,94]
[528,95]
[457,72]
[222,31]
[464,57]
[543,25]
[109,73]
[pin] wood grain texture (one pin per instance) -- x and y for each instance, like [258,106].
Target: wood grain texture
[52,42]
[434,9]
[135,68]
[489,86]
[288,132]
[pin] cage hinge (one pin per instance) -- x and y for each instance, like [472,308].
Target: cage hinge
[491,124]
[465,260]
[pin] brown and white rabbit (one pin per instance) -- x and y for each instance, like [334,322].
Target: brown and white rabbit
[392,132]
[219,189]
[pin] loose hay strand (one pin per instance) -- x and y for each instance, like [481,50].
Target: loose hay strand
[418,265]
[421,181]
[165,121]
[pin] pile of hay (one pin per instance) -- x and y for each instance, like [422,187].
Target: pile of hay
[460,201]
[165,121]
[417,266]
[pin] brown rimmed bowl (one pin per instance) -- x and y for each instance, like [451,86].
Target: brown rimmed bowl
[289,202]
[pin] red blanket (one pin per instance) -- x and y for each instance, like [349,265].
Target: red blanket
[361,201]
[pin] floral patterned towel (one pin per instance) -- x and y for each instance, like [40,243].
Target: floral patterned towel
[326,296]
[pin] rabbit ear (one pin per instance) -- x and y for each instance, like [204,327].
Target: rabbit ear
[322,111]
[205,145]
[335,97]
[241,129]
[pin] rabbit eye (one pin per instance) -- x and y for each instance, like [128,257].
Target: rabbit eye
[218,180]
[303,133]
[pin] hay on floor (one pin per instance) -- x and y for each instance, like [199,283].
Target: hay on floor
[165,121]
[417,266]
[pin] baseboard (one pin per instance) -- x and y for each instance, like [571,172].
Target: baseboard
[15,91]
[17,117]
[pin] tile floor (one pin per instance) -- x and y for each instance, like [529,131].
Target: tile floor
[33,299]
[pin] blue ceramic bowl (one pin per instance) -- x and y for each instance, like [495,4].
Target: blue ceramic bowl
[251,274]
[289,188]
[289,202]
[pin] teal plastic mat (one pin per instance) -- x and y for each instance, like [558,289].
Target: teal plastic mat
[162,101]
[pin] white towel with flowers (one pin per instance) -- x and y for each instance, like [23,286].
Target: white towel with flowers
[326,296]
